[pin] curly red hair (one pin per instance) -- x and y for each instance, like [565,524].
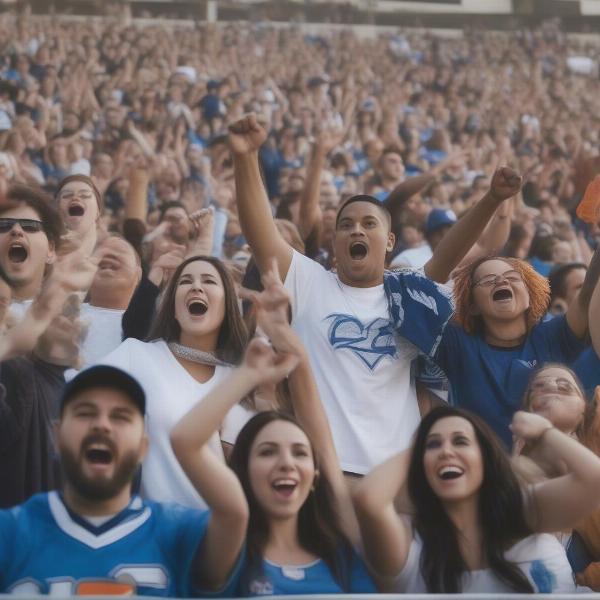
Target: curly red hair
[537,286]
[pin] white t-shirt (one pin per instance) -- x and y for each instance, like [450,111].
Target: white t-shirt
[104,332]
[362,369]
[170,393]
[413,257]
[541,557]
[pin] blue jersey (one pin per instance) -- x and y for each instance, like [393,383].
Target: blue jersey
[587,367]
[316,578]
[147,549]
[491,381]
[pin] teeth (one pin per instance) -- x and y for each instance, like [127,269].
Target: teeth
[450,469]
[279,482]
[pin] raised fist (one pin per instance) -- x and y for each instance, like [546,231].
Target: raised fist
[506,183]
[246,135]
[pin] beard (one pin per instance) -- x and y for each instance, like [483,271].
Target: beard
[98,489]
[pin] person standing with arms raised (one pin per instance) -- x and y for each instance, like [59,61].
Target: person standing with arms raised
[343,317]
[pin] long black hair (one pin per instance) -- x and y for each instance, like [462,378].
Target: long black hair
[233,335]
[501,512]
[319,531]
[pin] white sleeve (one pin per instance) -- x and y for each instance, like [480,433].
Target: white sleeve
[235,419]
[299,281]
[409,580]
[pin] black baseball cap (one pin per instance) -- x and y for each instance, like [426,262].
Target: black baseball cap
[105,376]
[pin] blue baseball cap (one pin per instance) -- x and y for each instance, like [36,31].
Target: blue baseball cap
[440,217]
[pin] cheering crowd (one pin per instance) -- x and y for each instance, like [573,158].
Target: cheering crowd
[297,314]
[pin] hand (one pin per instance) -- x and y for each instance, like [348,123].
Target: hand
[328,139]
[203,221]
[529,426]
[506,183]
[165,264]
[246,135]
[265,365]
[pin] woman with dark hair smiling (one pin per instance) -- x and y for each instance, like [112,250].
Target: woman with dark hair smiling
[302,530]
[196,337]
[474,528]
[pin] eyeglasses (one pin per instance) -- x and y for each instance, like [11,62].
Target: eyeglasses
[27,225]
[511,276]
[562,386]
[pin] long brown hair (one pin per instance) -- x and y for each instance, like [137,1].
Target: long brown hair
[501,512]
[233,336]
[319,530]
[537,287]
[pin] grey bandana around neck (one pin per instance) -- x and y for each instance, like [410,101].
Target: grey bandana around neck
[197,356]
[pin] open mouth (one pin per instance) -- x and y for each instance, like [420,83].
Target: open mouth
[17,253]
[285,487]
[502,294]
[197,308]
[358,251]
[99,455]
[76,210]
[447,473]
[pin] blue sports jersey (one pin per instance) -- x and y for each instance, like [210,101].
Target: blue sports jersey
[587,367]
[491,381]
[147,549]
[315,578]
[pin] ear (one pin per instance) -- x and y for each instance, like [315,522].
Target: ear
[391,242]
[51,256]
[55,428]
[144,445]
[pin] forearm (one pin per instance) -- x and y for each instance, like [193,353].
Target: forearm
[378,490]
[495,235]
[195,429]
[255,213]
[309,203]
[460,238]
[579,310]
[409,187]
[594,319]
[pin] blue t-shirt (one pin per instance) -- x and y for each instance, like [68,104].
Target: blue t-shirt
[314,578]
[587,368]
[149,548]
[491,381]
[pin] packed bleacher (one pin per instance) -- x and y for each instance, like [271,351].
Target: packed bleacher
[286,313]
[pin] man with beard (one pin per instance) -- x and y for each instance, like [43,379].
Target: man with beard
[95,537]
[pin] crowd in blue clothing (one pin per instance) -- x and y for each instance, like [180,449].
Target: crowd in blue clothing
[283,314]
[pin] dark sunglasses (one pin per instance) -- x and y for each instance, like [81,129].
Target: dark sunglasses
[27,225]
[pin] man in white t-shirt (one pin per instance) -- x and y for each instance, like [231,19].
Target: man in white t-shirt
[119,272]
[362,369]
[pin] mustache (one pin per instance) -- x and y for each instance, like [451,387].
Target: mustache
[98,438]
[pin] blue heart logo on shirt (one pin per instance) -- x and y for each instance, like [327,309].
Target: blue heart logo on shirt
[371,343]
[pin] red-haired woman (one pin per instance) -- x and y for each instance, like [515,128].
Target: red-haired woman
[498,335]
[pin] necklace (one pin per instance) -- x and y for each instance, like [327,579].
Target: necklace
[197,356]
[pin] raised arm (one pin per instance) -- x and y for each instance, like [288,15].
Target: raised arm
[272,306]
[465,233]
[559,503]
[213,479]
[386,535]
[245,138]
[310,211]
[582,308]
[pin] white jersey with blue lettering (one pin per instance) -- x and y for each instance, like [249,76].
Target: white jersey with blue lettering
[146,549]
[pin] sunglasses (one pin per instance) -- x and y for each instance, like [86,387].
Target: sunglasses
[27,225]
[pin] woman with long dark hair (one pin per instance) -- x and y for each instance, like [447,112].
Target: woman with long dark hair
[196,337]
[474,527]
[301,532]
